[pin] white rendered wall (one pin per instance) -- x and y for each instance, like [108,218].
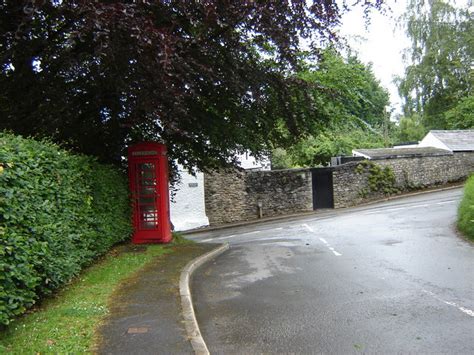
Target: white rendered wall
[188,209]
[431,141]
[249,162]
[356,153]
[406,146]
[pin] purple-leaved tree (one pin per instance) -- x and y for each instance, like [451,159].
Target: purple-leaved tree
[208,78]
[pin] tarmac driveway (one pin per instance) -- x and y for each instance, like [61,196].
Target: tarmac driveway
[392,277]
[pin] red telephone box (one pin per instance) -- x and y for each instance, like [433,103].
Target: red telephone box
[148,177]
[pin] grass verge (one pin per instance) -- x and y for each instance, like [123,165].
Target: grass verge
[66,322]
[466,210]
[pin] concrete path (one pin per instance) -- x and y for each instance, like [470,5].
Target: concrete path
[388,278]
[146,315]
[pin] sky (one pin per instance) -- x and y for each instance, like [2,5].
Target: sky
[381,43]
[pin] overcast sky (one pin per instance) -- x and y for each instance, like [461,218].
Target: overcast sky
[382,44]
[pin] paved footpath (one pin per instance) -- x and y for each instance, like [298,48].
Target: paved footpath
[146,316]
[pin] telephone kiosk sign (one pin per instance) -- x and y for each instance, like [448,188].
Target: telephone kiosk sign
[148,177]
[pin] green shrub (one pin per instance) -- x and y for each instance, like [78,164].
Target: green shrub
[58,211]
[381,180]
[466,210]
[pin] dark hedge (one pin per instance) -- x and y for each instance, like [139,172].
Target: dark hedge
[58,211]
[466,210]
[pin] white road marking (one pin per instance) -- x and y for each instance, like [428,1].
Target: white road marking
[237,235]
[397,208]
[229,236]
[335,252]
[219,238]
[467,311]
[264,239]
[248,233]
[308,228]
[280,244]
[408,207]
[445,202]
[391,209]
[323,240]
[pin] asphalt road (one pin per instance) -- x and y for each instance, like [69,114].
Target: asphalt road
[389,278]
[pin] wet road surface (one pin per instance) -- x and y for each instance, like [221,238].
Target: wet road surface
[389,278]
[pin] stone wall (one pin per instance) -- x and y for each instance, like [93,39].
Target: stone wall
[225,196]
[232,196]
[410,173]
[236,195]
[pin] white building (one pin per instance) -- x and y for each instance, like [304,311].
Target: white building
[249,162]
[406,145]
[453,140]
[188,209]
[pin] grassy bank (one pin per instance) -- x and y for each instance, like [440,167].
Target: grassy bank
[66,322]
[466,210]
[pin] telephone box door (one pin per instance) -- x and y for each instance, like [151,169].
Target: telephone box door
[148,173]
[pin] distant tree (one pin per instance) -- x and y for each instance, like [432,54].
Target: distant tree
[318,150]
[441,57]
[411,129]
[354,103]
[461,116]
[280,159]
[208,78]
[355,89]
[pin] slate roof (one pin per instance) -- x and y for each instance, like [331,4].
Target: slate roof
[456,140]
[392,153]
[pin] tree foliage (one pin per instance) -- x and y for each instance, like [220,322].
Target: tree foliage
[317,150]
[440,71]
[207,78]
[354,102]
[411,129]
[351,87]
[461,116]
